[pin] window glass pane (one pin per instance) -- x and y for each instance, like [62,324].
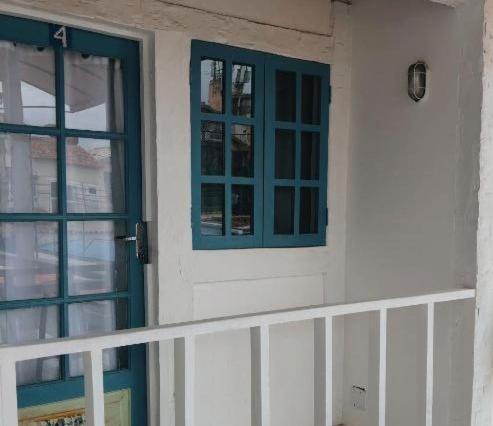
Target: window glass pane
[93,92]
[242,83]
[242,210]
[310,99]
[309,211]
[212,86]
[242,150]
[97,261]
[283,210]
[285,154]
[285,96]
[28,260]
[310,155]
[27,84]
[95,175]
[102,316]
[28,174]
[212,210]
[28,325]
[212,148]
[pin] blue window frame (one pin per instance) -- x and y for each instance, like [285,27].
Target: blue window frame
[259,149]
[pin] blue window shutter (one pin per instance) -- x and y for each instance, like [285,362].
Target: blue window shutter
[265,125]
[230,56]
[299,68]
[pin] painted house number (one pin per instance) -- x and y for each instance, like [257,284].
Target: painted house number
[61,35]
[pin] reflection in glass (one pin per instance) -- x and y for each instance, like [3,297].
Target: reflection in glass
[285,154]
[212,209]
[28,173]
[212,148]
[102,316]
[29,325]
[97,262]
[28,260]
[285,96]
[93,92]
[309,211]
[283,210]
[242,209]
[242,101]
[95,175]
[211,86]
[242,150]
[310,155]
[27,84]
[310,99]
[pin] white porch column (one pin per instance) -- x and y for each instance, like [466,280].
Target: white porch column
[482,406]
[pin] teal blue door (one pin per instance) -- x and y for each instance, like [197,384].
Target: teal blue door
[70,191]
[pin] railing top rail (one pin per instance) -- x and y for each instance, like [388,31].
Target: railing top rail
[70,345]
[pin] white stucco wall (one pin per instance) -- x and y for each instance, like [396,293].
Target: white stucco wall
[186,284]
[412,200]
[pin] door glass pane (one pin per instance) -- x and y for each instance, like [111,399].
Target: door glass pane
[93,92]
[28,260]
[212,86]
[95,175]
[309,211]
[310,99]
[97,261]
[242,209]
[212,148]
[28,325]
[283,210]
[285,96]
[102,316]
[242,150]
[242,90]
[212,209]
[285,154]
[310,155]
[28,174]
[27,84]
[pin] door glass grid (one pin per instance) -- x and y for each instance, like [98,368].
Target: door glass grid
[62,202]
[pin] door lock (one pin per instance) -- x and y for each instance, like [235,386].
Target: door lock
[140,238]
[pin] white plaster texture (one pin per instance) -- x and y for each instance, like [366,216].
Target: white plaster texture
[412,204]
[482,411]
[198,284]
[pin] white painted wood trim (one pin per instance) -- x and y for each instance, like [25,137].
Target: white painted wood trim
[8,394]
[93,388]
[382,370]
[323,371]
[185,381]
[66,346]
[430,340]
[260,371]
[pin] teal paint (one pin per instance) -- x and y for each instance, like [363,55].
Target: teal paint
[265,66]
[40,34]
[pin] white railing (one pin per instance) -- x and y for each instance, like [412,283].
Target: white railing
[184,335]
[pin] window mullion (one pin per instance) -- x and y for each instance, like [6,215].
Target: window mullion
[62,197]
[227,147]
[297,203]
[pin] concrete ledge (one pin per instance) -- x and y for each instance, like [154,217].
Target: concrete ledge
[451,3]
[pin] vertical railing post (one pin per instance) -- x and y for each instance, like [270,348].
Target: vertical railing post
[430,340]
[260,387]
[8,394]
[94,388]
[184,381]
[382,370]
[323,372]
